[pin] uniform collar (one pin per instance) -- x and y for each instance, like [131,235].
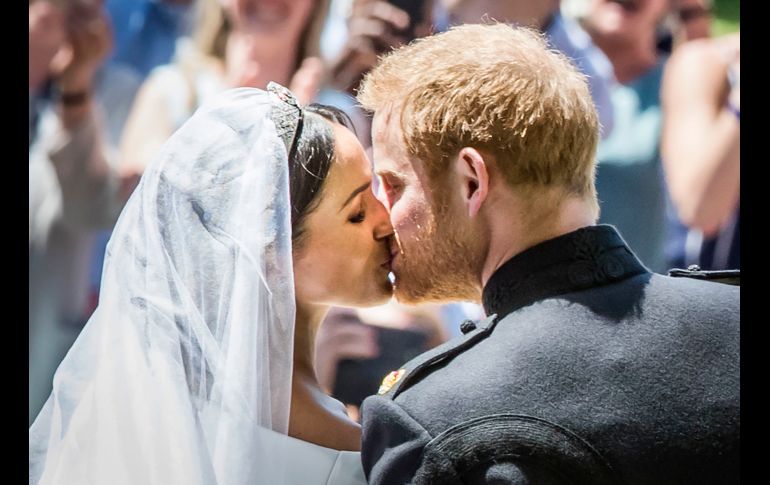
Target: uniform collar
[589,257]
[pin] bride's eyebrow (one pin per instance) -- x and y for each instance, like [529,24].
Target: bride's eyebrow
[355,193]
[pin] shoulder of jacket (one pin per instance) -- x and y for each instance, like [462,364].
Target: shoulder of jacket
[729,277]
[399,380]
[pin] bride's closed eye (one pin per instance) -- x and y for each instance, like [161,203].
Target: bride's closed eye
[359,216]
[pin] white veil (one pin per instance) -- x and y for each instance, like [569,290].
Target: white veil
[190,348]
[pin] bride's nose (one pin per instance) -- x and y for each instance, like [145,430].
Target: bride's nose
[381,218]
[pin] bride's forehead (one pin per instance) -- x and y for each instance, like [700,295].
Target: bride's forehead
[348,173]
[349,154]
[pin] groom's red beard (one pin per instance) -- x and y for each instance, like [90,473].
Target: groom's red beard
[440,262]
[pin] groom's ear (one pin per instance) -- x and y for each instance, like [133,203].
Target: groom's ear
[471,169]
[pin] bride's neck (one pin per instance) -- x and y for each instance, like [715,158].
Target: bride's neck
[307,322]
[314,415]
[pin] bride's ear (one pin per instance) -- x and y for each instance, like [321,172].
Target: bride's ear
[473,177]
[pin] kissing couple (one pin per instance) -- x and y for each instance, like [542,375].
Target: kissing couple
[259,214]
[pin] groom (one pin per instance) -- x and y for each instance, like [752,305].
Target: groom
[589,369]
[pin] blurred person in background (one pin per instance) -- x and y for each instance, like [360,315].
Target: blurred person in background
[357,347]
[77,109]
[235,43]
[60,40]
[693,18]
[629,177]
[377,26]
[231,43]
[146,31]
[47,33]
[688,20]
[701,152]
[374,27]
[562,33]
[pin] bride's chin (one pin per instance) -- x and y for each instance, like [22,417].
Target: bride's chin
[387,292]
[379,291]
[383,295]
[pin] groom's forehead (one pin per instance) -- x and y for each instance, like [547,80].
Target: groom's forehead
[388,143]
[385,123]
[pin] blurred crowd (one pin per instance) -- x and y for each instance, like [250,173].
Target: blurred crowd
[111,80]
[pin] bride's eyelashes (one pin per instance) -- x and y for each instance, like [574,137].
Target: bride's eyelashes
[358,217]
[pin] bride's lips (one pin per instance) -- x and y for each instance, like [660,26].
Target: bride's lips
[393,257]
[386,264]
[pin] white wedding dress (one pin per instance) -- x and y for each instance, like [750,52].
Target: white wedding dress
[310,464]
[183,373]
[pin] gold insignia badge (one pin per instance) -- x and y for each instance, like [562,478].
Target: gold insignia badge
[390,381]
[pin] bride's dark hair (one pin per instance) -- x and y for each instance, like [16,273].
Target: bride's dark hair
[310,161]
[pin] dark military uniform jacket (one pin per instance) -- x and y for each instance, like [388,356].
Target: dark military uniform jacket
[590,370]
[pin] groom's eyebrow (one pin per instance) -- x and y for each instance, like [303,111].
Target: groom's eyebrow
[355,193]
[390,173]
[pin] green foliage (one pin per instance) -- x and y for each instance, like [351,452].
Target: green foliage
[727,17]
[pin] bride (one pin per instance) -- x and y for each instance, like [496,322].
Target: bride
[196,368]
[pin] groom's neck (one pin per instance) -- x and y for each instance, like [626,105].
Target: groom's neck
[511,233]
